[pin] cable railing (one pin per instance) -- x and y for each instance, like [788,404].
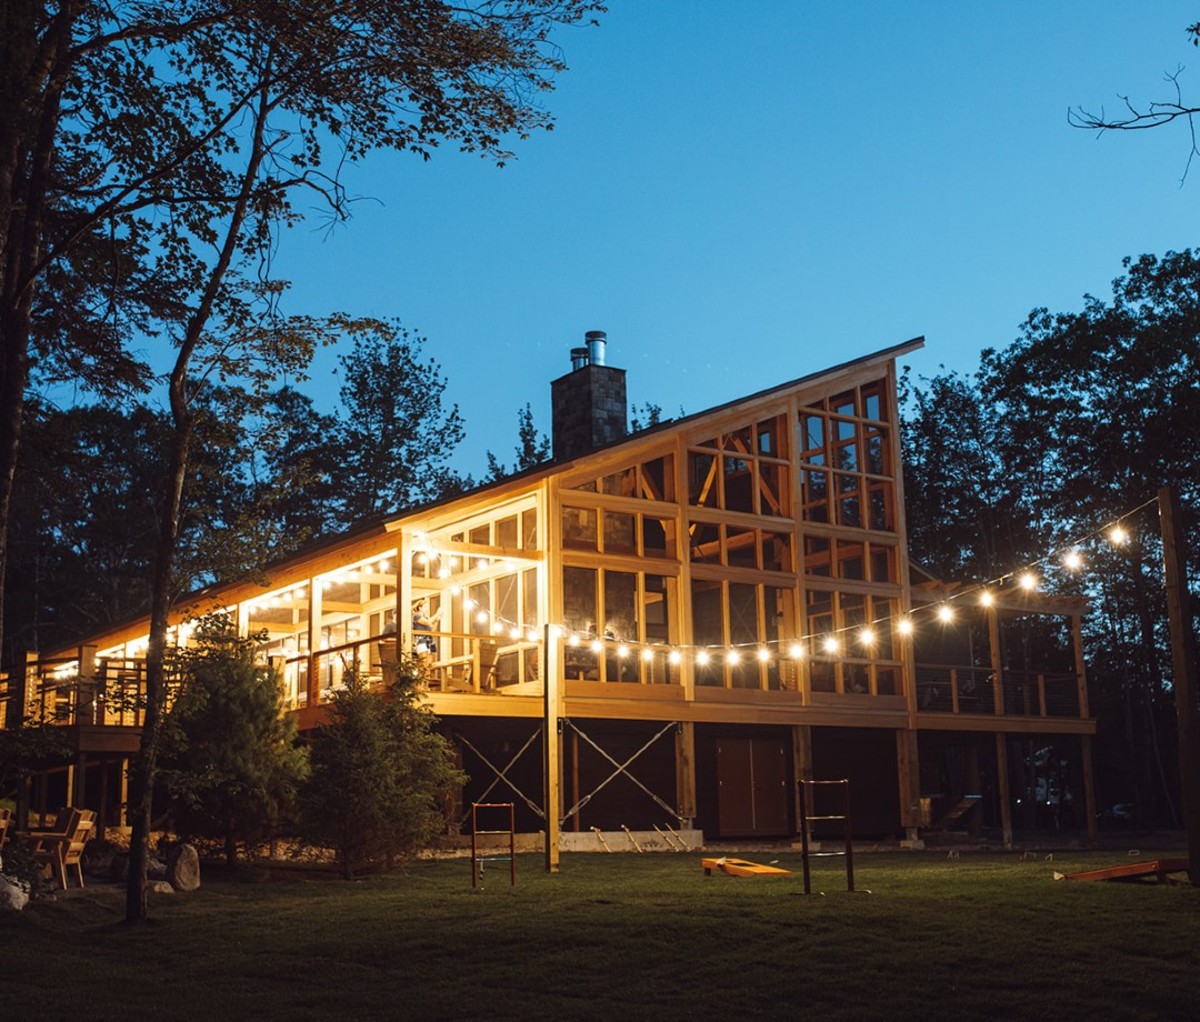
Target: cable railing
[976,690]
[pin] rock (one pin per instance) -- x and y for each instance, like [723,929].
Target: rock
[160,887]
[12,894]
[183,867]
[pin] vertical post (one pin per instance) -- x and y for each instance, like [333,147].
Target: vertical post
[1089,785]
[685,770]
[909,777]
[997,661]
[551,781]
[1002,790]
[802,761]
[1183,674]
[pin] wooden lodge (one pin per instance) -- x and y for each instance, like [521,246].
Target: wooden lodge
[701,614]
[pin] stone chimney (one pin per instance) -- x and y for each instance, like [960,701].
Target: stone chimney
[588,407]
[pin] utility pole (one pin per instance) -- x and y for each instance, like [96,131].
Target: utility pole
[1183,660]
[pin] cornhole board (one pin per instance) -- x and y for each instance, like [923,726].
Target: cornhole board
[741,868]
[1157,868]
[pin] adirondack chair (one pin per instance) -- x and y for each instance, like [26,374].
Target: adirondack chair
[6,819]
[64,846]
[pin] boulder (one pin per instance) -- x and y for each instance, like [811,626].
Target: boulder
[183,867]
[12,894]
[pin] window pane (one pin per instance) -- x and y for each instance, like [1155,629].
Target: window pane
[812,439]
[816,556]
[621,484]
[529,530]
[776,551]
[851,562]
[881,509]
[579,528]
[619,535]
[815,495]
[768,438]
[656,537]
[708,629]
[772,489]
[849,511]
[739,484]
[506,531]
[658,479]
[706,543]
[579,600]
[702,480]
[740,547]
[875,453]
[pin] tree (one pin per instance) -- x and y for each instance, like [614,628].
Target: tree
[380,774]
[231,761]
[1154,114]
[532,448]
[1078,421]
[150,154]
[394,439]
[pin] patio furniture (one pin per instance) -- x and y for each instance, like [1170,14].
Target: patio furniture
[6,819]
[63,846]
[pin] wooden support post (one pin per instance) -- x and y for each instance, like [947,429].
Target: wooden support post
[78,790]
[123,818]
[685,771]
[908,774]
[993,620]
[1080,666]
[551,754]
[1006,826]
[1183,674]
[975,787]
[802,759]
[1089,784]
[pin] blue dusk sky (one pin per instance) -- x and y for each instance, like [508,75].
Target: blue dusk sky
[741,193]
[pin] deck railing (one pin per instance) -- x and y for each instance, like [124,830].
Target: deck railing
[976,690]
[453,662]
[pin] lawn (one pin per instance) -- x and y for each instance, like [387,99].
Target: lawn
[623,936]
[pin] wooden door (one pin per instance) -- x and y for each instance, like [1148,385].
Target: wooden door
[752,795]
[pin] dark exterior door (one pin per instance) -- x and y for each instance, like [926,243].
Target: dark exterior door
[752,787]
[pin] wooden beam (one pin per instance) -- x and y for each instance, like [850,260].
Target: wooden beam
[1006,827]
[685,770]
[908,774]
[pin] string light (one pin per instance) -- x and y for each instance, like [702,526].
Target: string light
[866,635]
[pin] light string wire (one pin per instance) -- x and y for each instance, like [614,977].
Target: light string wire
[831,643]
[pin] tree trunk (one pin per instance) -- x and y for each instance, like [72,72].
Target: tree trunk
[146,764]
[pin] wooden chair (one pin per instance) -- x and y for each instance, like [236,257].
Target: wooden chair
[6,819]
[63,847]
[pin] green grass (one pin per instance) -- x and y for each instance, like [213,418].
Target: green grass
[622,937]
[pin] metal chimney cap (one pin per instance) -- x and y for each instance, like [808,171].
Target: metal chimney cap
[596,342]
[579,358]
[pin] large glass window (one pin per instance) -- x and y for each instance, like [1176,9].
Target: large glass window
[744,470]
[619,624]
[848,433]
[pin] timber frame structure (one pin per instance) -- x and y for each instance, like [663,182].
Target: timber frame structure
[716,604]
